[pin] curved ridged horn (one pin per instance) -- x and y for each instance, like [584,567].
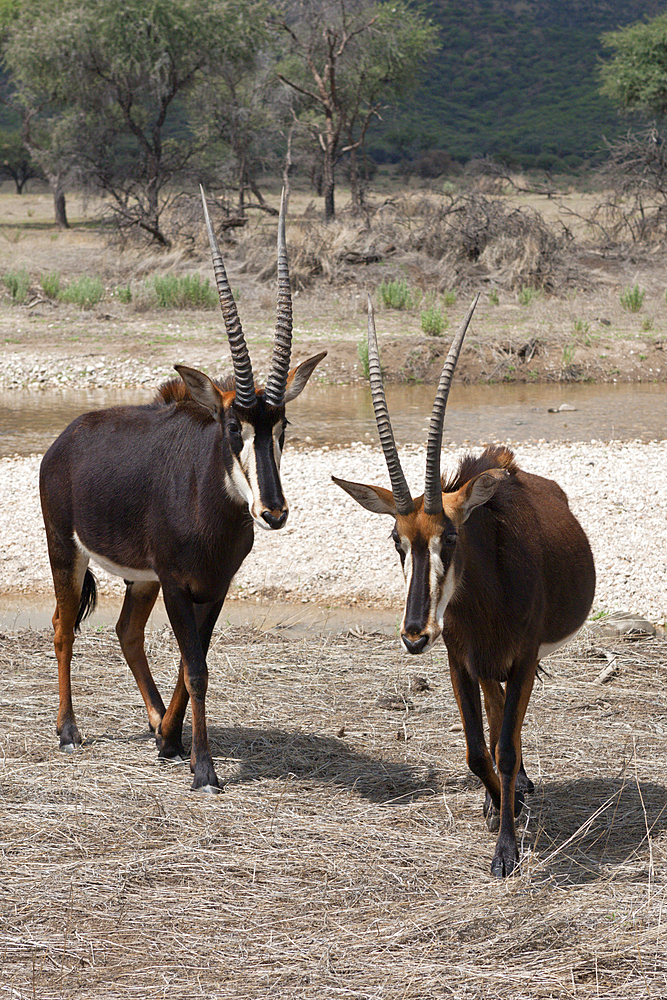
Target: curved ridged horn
[274,392]
[433,487]
[245,383]
[399,486]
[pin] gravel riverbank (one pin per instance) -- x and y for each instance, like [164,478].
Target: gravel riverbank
[333,551]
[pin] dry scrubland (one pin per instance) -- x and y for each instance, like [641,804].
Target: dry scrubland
[550,307]
[348,857]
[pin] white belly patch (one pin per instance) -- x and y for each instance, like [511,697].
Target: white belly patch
[127,573]
[547,648]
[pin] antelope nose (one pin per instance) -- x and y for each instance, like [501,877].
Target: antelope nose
[275,518]
[415,645]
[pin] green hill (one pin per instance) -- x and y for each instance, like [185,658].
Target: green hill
[516,79]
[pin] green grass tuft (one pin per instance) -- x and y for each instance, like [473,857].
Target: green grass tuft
[632,299]
[84,292]
[186,292]
[396,294]
[433,321]
[17,284]
[51,284]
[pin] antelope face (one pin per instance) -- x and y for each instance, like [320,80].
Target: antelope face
[255,436]
[256,442]
[427,545]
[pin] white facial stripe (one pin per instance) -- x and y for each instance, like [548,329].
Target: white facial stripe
[126,572]
[277,453]
[244,468]
[441,586]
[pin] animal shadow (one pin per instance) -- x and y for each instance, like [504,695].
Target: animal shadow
[278,753]
[580,828]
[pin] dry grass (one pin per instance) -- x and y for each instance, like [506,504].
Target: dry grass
[348,857]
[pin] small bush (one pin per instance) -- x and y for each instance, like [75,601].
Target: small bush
[449,298]
[124,295]
[51,284]
[396,294]
[17,284]
[632,299]
[433,321]
[362,351]
[494,298]
[186,292]
[84,292]
[526,295]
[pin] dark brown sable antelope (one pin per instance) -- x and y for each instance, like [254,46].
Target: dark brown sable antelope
[167,495]
[494,561]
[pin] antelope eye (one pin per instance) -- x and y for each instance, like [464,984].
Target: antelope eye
[234,430]
[396,540]
[451,537]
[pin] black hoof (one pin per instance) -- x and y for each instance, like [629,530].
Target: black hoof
[207,789]
[174,752]
[523,782]
[502,866]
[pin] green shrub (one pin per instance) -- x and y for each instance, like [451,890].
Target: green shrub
[17,284]
[362,351]
[527,294]
[494,298]
[51,284]
[449,298]
[85,292]
[396,294]
[186,292]
[632,299]
[124,294]
[433,321]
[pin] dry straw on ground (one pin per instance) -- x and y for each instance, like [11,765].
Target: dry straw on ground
[348,857]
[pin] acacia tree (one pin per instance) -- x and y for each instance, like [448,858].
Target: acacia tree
[345,60]
[118,74]
[237,116]
[635,78]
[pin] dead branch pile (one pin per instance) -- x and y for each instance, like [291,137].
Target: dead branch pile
[481,240]
[461,242]
[348,858]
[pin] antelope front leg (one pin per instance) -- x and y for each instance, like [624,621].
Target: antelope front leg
[192,683]
[479,760]
[494,706]
[508,759]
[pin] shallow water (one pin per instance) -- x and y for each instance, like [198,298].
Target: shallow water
[326,415]
[26,611]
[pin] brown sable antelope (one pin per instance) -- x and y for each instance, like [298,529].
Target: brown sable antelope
[493,560]
[167,496]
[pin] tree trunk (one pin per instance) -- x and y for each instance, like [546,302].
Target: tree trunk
[328,185]
[56,183]
[355,191]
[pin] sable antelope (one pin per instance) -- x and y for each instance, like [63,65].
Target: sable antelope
[493,560]
[166,495]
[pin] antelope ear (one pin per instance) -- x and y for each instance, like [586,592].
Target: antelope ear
[297,378]
[373,498]
[202,389]
[479,490]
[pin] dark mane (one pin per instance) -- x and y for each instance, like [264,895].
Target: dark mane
[175,391]
[494,457]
